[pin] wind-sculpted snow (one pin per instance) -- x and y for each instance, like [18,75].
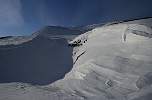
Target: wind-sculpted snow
[111,68]
[137,29]
[105,67]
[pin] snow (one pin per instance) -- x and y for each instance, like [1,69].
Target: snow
[111,62]
[137,29]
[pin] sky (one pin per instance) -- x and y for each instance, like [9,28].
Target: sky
[23,17]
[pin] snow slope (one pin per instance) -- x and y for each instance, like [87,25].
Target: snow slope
[111,67]
[112,62]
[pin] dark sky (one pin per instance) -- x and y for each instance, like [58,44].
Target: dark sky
[22,17]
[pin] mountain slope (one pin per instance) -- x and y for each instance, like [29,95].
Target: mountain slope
[48,31]
[111,67]
[111,62]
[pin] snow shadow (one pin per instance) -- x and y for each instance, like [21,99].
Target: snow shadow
[39,62]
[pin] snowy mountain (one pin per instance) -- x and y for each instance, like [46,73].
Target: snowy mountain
[48,31]
[110,62]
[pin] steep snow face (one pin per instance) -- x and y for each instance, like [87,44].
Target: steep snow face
[112,62]
[109,67]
